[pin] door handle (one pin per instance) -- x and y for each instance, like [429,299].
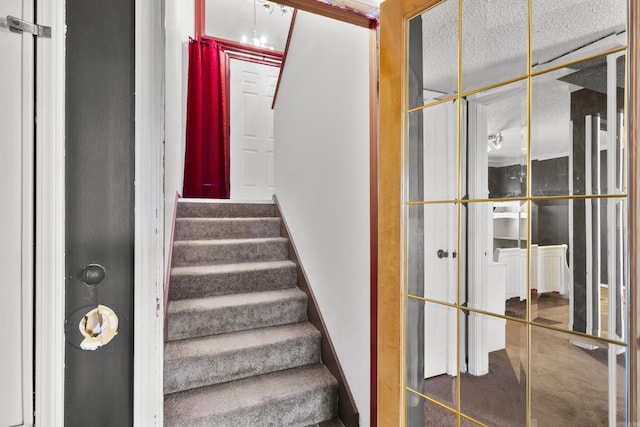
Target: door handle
[92,274]
[442,253]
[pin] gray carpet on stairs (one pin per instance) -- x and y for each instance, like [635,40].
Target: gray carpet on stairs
[222,279]
[240,351]
[208,252]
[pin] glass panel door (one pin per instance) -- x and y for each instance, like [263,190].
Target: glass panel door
[514,208]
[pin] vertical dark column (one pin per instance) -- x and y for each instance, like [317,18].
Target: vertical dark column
[604,220]
[99,206]
[584,103]
[415,311]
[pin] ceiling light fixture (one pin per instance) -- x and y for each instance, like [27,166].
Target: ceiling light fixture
[270,6]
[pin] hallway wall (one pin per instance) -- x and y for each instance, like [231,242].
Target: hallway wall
[179,26]
[322,180]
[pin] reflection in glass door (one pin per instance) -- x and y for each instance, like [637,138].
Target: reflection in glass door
[515,214]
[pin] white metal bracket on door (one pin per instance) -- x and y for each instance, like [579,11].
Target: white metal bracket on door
[19,26]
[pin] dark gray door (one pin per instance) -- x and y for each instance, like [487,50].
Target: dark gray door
[99,207]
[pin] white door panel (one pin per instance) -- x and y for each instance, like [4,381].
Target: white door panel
[16,217]
[252,132]
[440,234]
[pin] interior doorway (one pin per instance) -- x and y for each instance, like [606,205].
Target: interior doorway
[253,35]
[251,138]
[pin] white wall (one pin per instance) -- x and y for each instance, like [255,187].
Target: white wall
[322,180]
[179,25]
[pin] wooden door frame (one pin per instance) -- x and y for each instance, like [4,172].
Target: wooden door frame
[49,217]
[392,100]
[149,273]
[390,333]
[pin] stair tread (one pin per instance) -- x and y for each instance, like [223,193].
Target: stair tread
[233,300]
[206,242]
[249,392]
[189,208]
[230,268]
[235,341]
[228,219]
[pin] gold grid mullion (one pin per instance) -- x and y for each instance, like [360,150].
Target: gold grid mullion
[458,213]
[519,320]
[520,78]
[529,175]
[521,199]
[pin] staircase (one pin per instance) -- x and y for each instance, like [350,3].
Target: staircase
[239,349]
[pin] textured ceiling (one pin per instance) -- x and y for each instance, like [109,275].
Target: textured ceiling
[494,36]
[494,43]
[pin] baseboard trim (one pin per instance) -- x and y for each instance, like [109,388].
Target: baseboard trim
[167,279]
[347,410]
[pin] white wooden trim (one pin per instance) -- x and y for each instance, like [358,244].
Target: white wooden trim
[612,234]
[149,216]
[27,212]
[479,256]
[50,218]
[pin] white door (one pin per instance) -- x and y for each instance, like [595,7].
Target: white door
[16,217]
[483,331]
[440,222]
[252,135]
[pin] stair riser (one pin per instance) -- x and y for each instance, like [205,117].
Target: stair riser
[192,324]
[198,286]
[223,210]
[185,374]
[185,254]
[302,410]
[191,229]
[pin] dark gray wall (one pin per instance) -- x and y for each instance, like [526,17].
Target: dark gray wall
[99,205]
[550,177]
[583,102]
[505,181]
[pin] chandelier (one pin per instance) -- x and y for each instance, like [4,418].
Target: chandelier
[261,41]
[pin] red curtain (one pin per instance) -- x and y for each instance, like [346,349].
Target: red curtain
[206,168]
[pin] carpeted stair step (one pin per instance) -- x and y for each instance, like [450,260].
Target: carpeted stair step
[223,279]
[229,313]
[205,252]
[295,397]
[226,228]
[223,210]
[205,361]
